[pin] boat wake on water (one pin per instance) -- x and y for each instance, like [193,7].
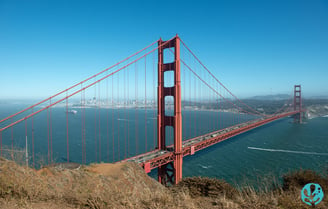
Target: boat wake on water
[122,119]
[287,151]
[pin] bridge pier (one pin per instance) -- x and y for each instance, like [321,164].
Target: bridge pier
[170,173]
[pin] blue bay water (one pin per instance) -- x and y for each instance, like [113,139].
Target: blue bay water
[268,151]
[280,147]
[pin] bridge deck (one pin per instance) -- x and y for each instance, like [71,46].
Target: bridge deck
[156,158]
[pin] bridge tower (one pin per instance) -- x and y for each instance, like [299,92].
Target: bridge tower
[297,104]
[170,173]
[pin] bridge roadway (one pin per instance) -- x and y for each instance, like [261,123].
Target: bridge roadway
[156,158]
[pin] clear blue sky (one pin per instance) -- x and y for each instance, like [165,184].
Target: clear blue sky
[253,47]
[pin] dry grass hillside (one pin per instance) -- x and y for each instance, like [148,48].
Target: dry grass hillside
[125,185]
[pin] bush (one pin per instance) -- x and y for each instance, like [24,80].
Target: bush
[207,187]
[299,179]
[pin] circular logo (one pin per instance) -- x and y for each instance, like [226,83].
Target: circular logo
[312,194]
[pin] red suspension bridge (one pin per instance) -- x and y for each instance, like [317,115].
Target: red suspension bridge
[118,114]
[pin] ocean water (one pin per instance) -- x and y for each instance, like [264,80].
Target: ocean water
[109,135]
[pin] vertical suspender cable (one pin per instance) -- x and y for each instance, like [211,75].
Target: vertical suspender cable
[213,109]
[190,121]
[238,115]
[216,98]
[136,112]
[84,131]
[50,123]
[107,125]
[95,106]
[67,127]
[12,141]
[233,114]
[81,104]
[112,101]
[124,110]
[26,147]
[220,109]
[183,79]
[118,125]
[48,135]
[128,121]
[33,140]
[195,95]
[1,143]
[99,128]
[145,103]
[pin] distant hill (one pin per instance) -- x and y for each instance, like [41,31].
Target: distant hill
[318,97]
[271,97]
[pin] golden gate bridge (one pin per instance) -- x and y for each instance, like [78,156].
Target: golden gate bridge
[137,110]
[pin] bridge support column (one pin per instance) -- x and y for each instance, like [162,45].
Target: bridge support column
[298,104]
[170,173]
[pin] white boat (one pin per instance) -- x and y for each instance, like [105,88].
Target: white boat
[72,111]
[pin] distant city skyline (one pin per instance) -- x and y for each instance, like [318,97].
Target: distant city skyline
[253,47]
